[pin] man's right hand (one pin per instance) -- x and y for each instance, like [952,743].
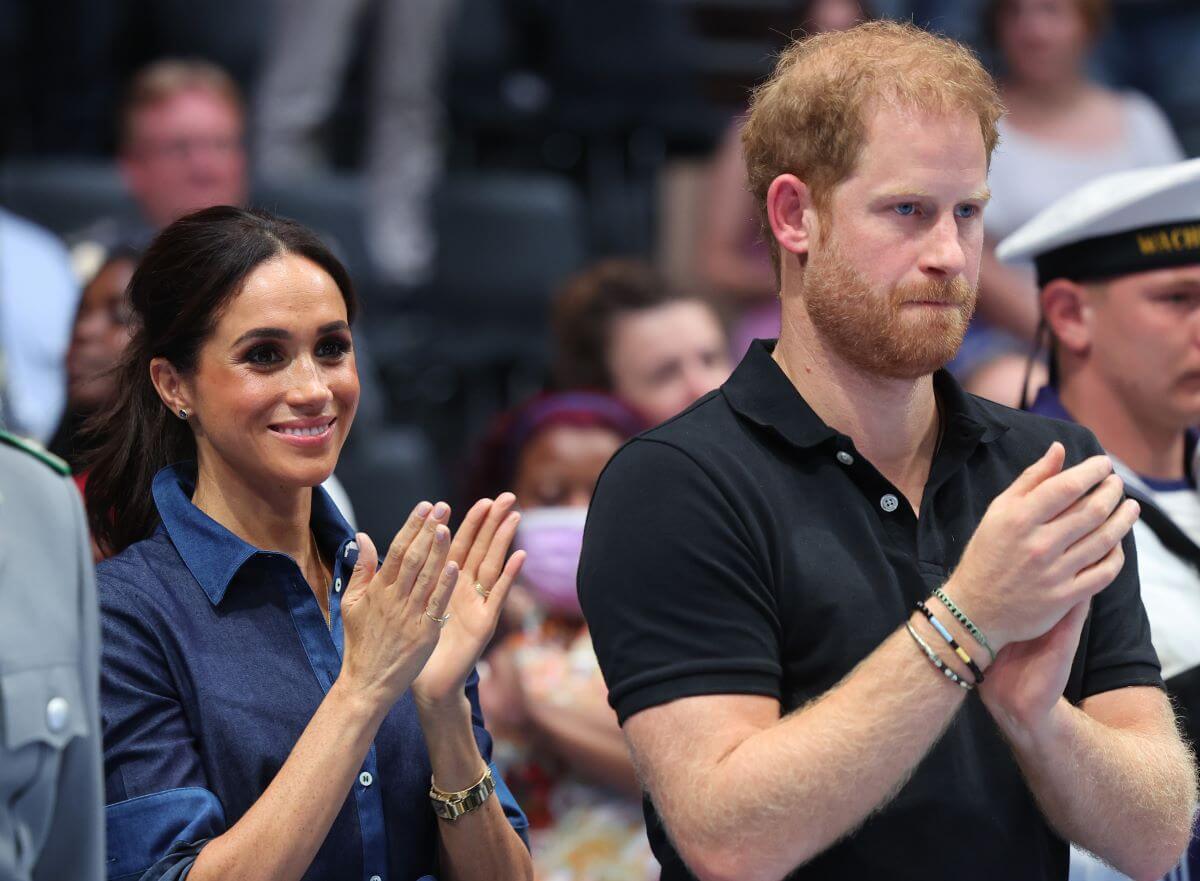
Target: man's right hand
[1045,544]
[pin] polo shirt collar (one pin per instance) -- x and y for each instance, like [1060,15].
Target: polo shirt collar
[212,553]
[760,391]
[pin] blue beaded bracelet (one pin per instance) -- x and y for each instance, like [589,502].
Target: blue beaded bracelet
[949,637]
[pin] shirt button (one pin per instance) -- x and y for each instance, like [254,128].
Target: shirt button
[845,458]
[889,503]
[58,711]
[337,585]
[376,878]
[365,778]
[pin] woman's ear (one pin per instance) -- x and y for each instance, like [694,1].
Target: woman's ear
[169,384]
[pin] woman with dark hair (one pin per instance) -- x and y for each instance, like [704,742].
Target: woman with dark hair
[620,328]
[98,339]
[275,702]
[557,739]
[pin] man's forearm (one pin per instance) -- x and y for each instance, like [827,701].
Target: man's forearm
[1127,796]
[785,793]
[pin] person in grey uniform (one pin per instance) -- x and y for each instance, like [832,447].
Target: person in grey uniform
[51,815]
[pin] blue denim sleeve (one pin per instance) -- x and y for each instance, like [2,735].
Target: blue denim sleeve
[157,837]
[160,809]
[516,817]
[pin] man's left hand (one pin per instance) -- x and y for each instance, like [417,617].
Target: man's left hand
[1027,680]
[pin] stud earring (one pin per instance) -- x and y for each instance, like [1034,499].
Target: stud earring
[183,414]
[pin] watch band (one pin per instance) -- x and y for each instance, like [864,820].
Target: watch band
[452,805]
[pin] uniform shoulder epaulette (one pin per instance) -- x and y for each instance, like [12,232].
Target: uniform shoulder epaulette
[36,450]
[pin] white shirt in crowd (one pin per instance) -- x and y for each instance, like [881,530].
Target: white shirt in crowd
[38,299]
[1171,595]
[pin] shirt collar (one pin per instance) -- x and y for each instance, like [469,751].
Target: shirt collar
[760,391]
[212,553]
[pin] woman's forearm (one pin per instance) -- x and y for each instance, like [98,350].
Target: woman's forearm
[482,843]
[280,835]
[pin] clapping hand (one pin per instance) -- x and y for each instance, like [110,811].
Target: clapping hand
[486,573]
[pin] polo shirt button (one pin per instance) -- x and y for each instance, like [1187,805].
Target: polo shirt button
[365,778]
[889,503]
[845,458]
[376,878]
[337,585]
[57,713]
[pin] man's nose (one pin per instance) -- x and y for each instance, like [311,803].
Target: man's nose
[943,253]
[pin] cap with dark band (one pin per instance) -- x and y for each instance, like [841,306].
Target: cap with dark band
[1122,253]
[1120,224]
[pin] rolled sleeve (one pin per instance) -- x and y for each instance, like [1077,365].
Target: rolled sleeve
[157,837]
[160,810]
[674,593]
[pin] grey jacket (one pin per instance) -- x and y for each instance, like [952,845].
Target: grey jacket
[51,791]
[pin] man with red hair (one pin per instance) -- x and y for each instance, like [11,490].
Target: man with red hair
[856,623]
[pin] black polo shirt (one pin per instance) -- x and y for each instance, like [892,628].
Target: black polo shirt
[745,547]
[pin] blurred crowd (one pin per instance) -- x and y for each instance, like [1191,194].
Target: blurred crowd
[545,211]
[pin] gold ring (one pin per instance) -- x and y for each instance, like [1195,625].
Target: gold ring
[440,622]
[483,592]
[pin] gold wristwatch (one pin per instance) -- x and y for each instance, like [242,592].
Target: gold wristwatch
[452,805]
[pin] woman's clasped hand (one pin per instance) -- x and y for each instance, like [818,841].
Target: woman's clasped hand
[422,617]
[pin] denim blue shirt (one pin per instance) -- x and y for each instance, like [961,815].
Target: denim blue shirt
[216,655]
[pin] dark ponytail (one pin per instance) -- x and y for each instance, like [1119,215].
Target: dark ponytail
[185,278]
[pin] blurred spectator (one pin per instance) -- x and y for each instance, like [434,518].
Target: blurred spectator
[735,259]
[1151,46]
[1061,131]
[620,328]
[308,54]
[181,149]
[1124,318]
[557,740]
[38,293]
[98,340]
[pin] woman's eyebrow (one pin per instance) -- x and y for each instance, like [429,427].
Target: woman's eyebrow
[278,333]
[263,333]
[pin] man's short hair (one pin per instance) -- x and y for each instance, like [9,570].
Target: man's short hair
[588,305]
[810,118]
[161,80]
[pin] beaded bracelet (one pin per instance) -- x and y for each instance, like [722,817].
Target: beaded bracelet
[938,662]
[966,622]
[949,637]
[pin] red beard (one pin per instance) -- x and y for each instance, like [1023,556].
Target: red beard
[882,335]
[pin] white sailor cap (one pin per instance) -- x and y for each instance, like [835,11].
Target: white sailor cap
[1132,221]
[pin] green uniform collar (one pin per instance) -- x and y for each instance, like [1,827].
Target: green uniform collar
[36,450]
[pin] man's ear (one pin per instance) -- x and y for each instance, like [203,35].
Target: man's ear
[1068,313]
[792,215]
[170,386]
